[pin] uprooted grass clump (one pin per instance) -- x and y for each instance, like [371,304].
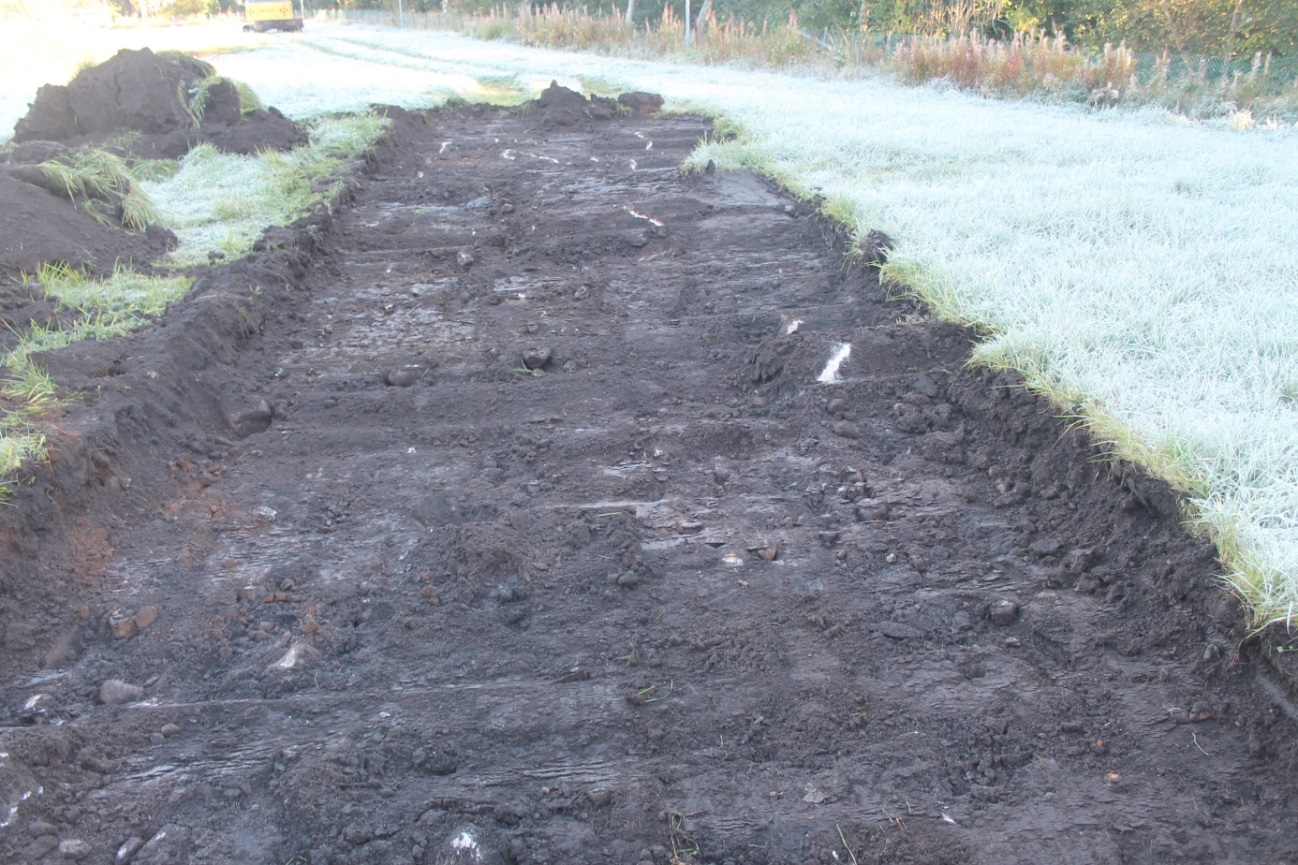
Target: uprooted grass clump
[104,185]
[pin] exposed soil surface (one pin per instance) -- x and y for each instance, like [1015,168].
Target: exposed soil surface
[502,518]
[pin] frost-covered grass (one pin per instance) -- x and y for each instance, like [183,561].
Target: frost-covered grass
[1136,268]
[222,202]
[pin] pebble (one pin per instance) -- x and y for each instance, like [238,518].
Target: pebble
[536,357]
[74,848]
[252,420]
[1003,612]
[129,848]
[845,429]
[581,293]
[115,692]
[37,828]
[146,616]
[628,579]
[464,259]
[837,406]
[403,377]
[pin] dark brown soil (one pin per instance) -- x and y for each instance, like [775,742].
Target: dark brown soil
[502,519]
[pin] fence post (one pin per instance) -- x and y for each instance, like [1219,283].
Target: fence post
[401,15]
[687,23]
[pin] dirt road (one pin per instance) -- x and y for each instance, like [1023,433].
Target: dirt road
[506,518]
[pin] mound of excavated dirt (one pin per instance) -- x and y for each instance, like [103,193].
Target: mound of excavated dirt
[148,96]
[137,104]
[558,107]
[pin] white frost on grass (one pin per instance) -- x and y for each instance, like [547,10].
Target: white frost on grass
[221,202]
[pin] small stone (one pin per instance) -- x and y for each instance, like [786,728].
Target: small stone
[146,616]
[170,730]
[1013,642]
[464,259]
[129,848]
[157,738]
[115,692]
[581,293]
[1003,612]
[37,828]
[253,420]
[1045,546]
[600,796]
[74,848]
[837,406]
[769,554]
[829,538]
[628,579]
[537,357]
[124,628]
[720,474]
[404,377]
[846,429]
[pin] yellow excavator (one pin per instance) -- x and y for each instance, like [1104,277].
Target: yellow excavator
[263,15]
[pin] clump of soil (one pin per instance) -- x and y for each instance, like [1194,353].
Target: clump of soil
[154,106]
[559,107]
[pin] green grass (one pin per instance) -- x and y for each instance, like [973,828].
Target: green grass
[93,177]
[95,309]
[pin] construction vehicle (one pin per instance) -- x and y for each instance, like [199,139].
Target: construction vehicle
[263,15]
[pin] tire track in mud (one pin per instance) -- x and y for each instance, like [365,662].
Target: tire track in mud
[666,592]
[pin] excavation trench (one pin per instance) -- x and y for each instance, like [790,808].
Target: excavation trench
[505,516]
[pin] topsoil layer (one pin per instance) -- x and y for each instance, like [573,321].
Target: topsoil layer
[512,524]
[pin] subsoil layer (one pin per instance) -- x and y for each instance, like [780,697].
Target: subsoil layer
[502,517]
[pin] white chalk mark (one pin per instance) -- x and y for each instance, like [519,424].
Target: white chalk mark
[638,215]
[830,372]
